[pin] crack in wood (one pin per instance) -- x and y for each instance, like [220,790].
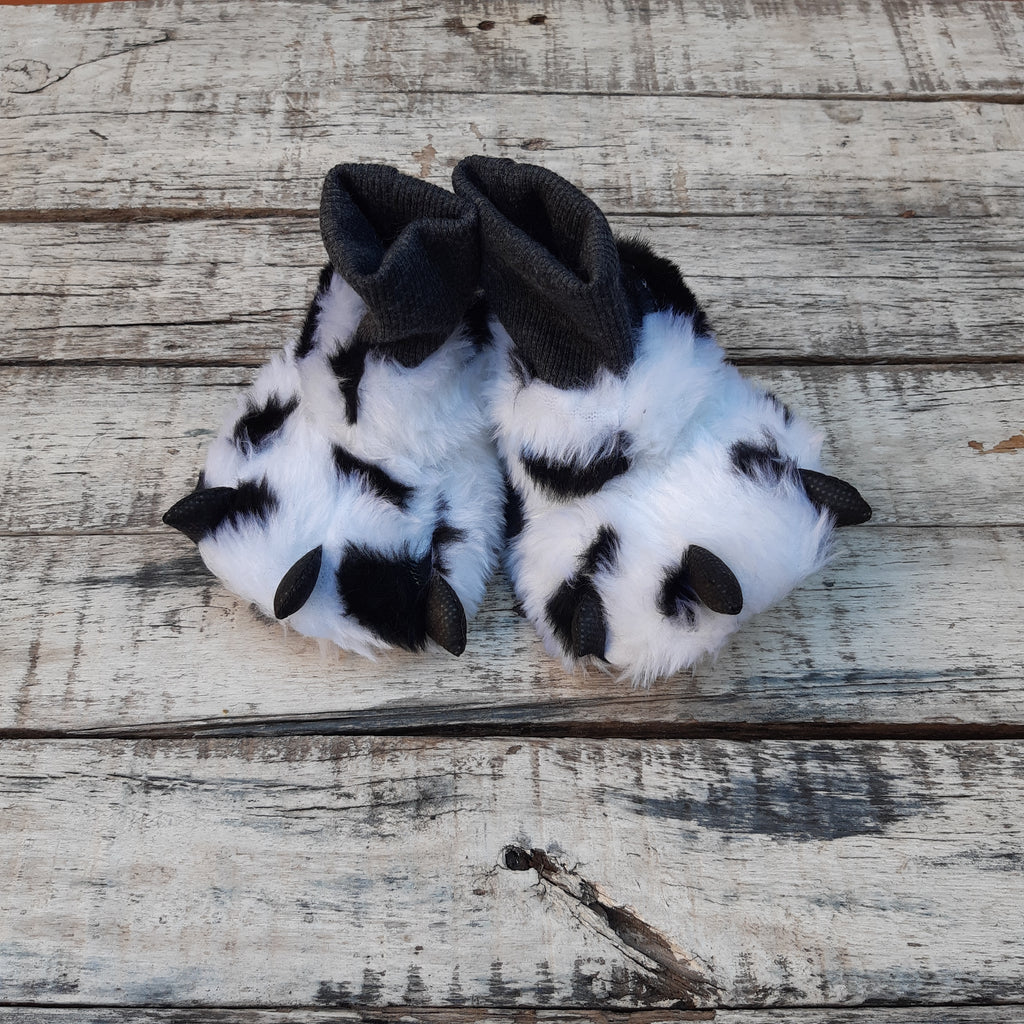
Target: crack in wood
[674,977]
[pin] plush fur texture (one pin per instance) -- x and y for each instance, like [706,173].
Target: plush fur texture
[411,489]
[712,462]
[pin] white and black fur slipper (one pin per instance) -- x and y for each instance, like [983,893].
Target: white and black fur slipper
[658,499]
[355,491]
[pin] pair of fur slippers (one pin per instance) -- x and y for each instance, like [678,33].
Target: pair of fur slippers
[648,499]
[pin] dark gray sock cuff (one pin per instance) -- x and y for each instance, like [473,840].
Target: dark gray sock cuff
[550,269]
[409,249]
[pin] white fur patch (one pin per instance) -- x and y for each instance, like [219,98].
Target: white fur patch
[681,408]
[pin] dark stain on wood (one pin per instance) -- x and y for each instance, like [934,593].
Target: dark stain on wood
[373,986]
[415,990]
[333,993]
[186,571]
[829,795]
[498,989]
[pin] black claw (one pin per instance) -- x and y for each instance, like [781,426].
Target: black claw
[843,500]
[700,576]
[589,630]
[201,512]
[446,618]
[297,583]
[713,581]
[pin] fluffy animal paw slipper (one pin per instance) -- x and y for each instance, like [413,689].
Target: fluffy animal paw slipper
[662,498]
[355,492]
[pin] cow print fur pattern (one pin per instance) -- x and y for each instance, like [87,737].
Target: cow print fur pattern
[656,510]
[356,498]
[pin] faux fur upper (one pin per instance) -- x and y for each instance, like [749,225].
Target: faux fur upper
[707,459]
[408,493]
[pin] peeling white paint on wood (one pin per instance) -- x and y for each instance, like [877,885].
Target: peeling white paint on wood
[126,633]
[230,291]
[318,871]
[633,154]
[111,448]
[900,47]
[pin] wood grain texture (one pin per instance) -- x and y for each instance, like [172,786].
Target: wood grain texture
[633,154]
[327,871]
[896,48]
[130,634]
[1002,1014]
[111,448]
[814,288]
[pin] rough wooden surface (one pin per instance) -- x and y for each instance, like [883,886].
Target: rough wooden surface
[161,165]
[1003,1014]
[231,291]
[328,870]
[642,154]
[111,448]
[910,627]
[896,48]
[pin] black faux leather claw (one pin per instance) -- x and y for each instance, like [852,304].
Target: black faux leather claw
[446,618]
[297,583]
[713,581]
[701,576]
[843,500]
[589,630]
[201,512]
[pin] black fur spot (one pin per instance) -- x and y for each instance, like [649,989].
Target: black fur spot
[305,345]
[253,501]
[348,366]
[444,535]
[515,518]
[567,480]
[602,553]
[475,321]
[758,460]
[258,423]
[201,481]
[780,406]
[577,594]
[657,283]
[382,484]
[386,594]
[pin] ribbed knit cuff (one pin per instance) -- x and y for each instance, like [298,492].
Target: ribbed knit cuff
[409,249]
[551,270]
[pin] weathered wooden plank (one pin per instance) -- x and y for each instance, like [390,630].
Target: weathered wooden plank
[130,634]
[898,48]
[1002,1014]
[112,447]
[633,154]
[331,870]
[803,287]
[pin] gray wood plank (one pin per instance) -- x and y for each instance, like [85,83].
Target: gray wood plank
[527,873]
[912,629]
[813,288]
[252,150]
[900,48]
[959,1014]
[111,448]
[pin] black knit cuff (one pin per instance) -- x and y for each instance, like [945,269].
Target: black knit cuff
[551,270]
[410,251]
